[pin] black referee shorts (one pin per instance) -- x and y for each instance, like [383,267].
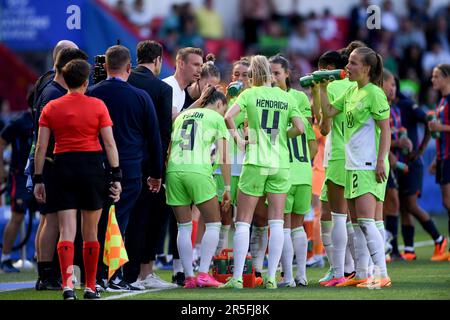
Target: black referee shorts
[80,181]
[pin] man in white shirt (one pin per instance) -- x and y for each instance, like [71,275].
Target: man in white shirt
[189,63]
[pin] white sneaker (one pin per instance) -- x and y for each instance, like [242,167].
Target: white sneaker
[155,282]
[301,282]
[138,284]
[287,284]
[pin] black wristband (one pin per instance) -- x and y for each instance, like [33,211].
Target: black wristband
[116,174]
[38,178]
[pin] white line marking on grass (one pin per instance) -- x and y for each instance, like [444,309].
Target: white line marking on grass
[135,293]
[420,244]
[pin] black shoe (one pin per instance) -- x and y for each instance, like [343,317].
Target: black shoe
[69,294]
[122,286]
[91,295]
[179,279]
[101,285]
[7,267]
[350,275]
[48,284]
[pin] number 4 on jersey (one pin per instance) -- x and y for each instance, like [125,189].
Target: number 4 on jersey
[273,131]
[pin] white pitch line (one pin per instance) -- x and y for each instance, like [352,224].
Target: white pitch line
[419,244]
[131,294]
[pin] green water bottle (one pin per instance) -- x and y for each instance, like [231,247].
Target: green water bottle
[431,116]
[403,133]
[235,88]
[248,265]
[230,267]
[331,75]
[403,167]
[306,81]
[221,265]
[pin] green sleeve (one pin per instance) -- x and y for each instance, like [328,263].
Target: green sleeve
[337,102]
[305,105]
[310,134]
[379,107]
[242,100]
[295,110]
[222,131]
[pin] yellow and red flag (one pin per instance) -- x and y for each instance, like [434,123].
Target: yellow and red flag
[114,255]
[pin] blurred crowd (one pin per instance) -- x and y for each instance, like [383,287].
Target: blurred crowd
[411,44]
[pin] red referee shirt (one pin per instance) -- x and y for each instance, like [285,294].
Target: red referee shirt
[75,121]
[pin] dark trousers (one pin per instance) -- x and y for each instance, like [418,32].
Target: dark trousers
[130,192]
[170,228]
[144,229]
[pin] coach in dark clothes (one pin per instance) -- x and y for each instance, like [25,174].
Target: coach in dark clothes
[135,129]
[148,216]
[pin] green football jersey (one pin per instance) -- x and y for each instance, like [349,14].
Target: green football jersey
[362,107]
[236,155]
[299,156]
[269,111]
[193,134]
[304,106]
[334,145]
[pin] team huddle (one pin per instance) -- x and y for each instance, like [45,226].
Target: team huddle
[270,126]
[241,158]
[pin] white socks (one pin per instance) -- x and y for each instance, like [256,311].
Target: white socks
[276,241]
[375,244]
[325,233]
[184,245]
[350,250]
[362,253]
[240,245]
[381,230]
[223,238]
[287,256]
[258,246]
[209,245]
[300,243]
[339,240]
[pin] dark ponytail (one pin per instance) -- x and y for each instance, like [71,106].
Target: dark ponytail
[333,58]
[377,75]
[213,96]
[279,59]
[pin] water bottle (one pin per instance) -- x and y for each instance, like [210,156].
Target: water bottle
[235,88]
[306,81]
[431,116]
[403,133]
[403,167]
[331,75]
[320,75]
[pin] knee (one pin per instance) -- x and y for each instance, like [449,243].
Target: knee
[90,236]
[51,222]
[16,218]
[67,232]
[446,203]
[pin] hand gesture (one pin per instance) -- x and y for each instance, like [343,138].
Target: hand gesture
[154,185]
[39,192]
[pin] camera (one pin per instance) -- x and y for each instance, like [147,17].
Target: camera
[99,68]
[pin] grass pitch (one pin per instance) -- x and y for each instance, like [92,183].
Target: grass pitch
[417,280]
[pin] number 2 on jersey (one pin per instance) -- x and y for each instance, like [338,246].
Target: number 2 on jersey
[295,150]
[188,134]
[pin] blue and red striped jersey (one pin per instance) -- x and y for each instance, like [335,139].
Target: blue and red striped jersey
[395,122]
[443,116]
